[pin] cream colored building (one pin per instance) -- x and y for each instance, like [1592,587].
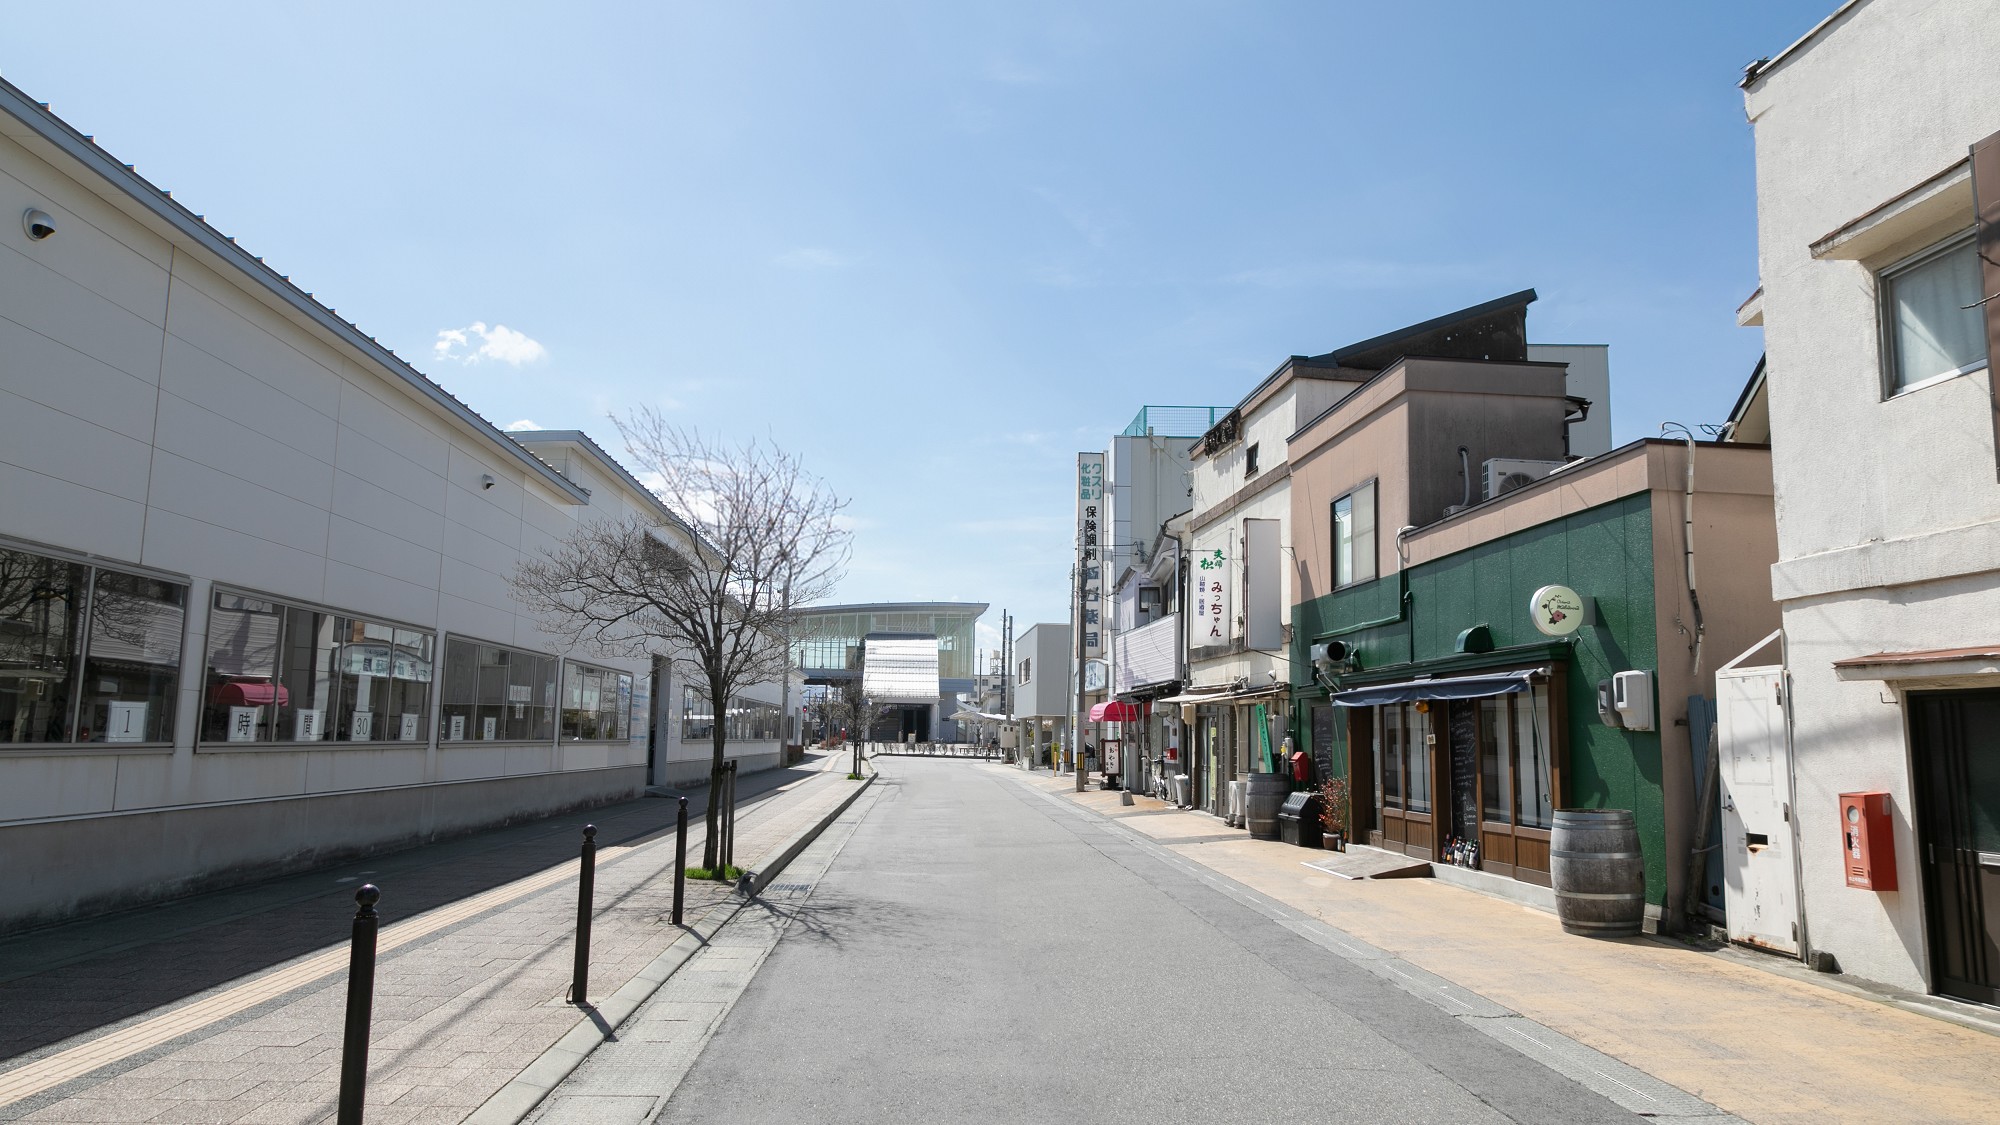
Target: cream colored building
[1882,419]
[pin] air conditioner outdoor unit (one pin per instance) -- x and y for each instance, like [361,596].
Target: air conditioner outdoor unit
[1505,474]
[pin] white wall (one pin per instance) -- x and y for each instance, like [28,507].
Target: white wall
[1886,509]
[154,412]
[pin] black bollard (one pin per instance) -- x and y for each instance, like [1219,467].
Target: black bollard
[586,883]
[728,819]
[360,1006]
[680,859]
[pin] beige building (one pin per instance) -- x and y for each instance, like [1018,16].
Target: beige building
[1878,215]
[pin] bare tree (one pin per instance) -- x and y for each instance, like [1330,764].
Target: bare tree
[718,591]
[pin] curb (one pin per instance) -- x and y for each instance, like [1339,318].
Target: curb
[512,1103]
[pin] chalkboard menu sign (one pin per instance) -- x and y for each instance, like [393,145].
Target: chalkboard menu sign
[1465,768]
[1322,735]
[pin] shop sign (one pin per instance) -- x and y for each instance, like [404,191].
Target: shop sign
[1557,611]
[1089,557]
[1209,624]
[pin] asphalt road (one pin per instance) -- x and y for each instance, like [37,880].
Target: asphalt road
[978,952]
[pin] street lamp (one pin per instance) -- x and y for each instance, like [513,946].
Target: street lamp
[862,721]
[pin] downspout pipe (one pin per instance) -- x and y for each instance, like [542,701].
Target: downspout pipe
[1687,535]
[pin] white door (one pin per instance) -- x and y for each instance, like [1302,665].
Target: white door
[1760,888]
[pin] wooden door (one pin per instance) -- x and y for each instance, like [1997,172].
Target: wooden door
[1955,751]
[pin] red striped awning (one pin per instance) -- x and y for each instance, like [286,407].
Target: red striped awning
[1115,711]
[248,694]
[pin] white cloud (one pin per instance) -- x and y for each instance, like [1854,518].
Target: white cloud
[476,343]
[523,424]
[812,258]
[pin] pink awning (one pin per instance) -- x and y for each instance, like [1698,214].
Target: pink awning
[1115,711]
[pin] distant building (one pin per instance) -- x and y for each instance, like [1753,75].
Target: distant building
[829,647]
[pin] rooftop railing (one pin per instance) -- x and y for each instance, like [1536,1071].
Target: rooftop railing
[1175,421]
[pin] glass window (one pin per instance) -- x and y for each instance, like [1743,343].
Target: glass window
[133,666]
[745,720]
[282,673]
[1931,331]
[697,717]
[1535,807]
[1354,536]
[1392,757]
[597,702]
[1496,759]
[496,694]
[113,680]
[41,646]
[1419,754]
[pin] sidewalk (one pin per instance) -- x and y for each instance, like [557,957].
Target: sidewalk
[233,1013]
[1753,1042]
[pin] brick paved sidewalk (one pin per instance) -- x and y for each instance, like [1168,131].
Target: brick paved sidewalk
[235,1014]
[1724,1025]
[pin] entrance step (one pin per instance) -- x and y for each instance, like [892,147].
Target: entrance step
[1360,861]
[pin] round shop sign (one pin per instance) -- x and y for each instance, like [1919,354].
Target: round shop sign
[1556,610]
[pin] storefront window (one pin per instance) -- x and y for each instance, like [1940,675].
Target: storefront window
[41,647]
[745,720]
[1418,754]
[1496,759]
[597,702]
[1392,757]
[496,694]
[133,664]
[282,673]
[112,681]
[1535,804]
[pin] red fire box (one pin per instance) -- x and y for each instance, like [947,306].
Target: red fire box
[1868,841]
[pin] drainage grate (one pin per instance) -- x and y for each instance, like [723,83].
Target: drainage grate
[789,888]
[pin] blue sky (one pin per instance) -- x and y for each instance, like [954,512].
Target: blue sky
[938,248]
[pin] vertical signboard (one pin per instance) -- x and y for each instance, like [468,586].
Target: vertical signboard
[1263,596]
[1090,557]
[1208,625]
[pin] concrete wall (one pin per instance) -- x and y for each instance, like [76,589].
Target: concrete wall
[1888,509]
[1586,375]
[1403,430]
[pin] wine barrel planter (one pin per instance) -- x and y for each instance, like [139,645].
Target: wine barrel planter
[1266,794]
[1597,872]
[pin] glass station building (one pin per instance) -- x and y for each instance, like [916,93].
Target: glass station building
[829,644]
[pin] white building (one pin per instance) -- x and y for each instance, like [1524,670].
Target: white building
[1044,688]
[254,600]
[1876,162]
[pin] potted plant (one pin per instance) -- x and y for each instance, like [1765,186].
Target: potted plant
[1333,813]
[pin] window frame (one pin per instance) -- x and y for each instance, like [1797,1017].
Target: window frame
[286,604]
[84,624]
[1373,488]
[563,666]
[1885,312]
[1250,460]
[437,720]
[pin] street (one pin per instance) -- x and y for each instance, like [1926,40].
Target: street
[977,952]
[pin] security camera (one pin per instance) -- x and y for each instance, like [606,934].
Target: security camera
[37,224]
[486,480]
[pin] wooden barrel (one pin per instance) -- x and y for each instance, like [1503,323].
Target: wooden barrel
[1267,792]
[1597,872]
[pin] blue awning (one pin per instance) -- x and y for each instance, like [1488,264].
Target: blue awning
[1442,687]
